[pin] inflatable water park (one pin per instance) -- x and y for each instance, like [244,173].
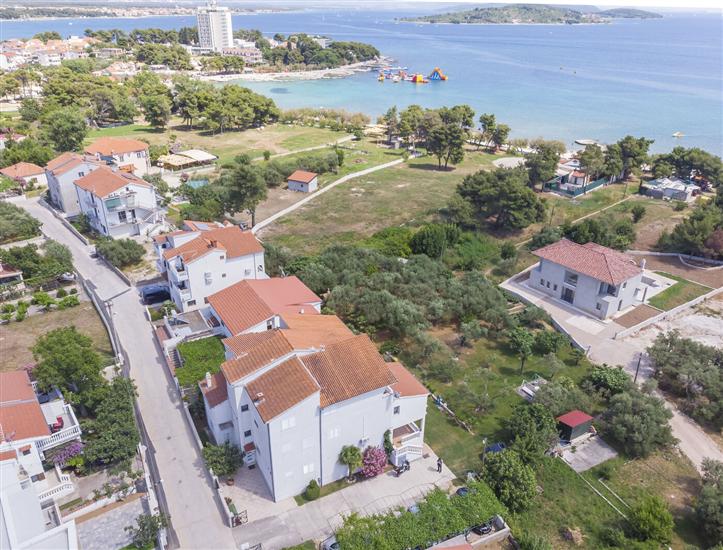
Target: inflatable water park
[402,74]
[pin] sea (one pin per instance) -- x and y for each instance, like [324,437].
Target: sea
[650,78]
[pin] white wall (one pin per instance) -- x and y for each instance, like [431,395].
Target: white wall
[103,220]
[302,186]
[139,160]
[359,421]
[62,189]
[411,409]
[220,414]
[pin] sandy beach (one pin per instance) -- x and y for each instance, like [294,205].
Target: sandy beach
[317,74]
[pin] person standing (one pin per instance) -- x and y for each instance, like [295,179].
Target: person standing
[439,465]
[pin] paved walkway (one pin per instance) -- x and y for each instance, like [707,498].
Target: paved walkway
[319,519]
[285,211]
[194,512]
[596,336]
[107,530]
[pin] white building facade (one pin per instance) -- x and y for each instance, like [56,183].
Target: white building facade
[215,31]
[593,278]
[118,204]
[61,173]
[130,155]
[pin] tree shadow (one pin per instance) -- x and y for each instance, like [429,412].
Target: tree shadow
[429,166]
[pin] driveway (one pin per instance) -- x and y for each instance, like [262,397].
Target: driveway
[319,519]
[596,336]
[194,513]
[106,528]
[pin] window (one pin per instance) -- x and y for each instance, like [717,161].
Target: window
[191,303]
[542,282]
[244,408]
[133,213]
[26,451]
[554,287]
[625,284]
[247,433]
[548,284]
[223,275]
[396,409]
[309,468]
[288,423]
[269,324]
[597,306]
[333,433]
[81,174]
[571,278]
[260,268]
[139,155]
[226,425]
[122,216]
[221,257]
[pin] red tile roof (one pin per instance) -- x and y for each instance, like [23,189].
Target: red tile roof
[253,352]
[348,369]
[22,170]
[591,259]
[302,175]
[8,455]
[232,239]
[67,161]
[109,146]
[281,388]
[407,384]
[250,302]
[314,331]
[20,414]
[574,418]
[217,393]
[104,181]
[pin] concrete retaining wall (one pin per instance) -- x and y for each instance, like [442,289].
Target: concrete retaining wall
[666,314]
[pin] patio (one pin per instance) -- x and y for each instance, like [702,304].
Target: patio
[249,493]
[588,454]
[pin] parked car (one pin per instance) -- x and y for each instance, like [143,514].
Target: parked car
[155,294]
[462,491]
[413,509]
[330,544]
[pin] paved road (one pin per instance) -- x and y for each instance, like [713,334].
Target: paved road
[323,190]
[194,512]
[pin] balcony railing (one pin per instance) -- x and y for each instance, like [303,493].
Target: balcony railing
[66,434]
[405,434]
[65,486]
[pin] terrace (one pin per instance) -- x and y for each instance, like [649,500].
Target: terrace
[61,419]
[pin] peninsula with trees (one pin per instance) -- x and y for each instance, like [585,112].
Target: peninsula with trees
[526,14]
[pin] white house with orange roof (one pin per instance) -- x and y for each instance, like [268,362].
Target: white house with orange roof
[130,155]
[61,173]
[26,172]
[31,424]
[117,203]
[593,278]
[298,386]
[206,259]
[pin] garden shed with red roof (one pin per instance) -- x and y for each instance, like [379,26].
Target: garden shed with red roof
[573,424]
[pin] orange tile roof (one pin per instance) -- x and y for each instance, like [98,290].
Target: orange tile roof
[104,181]
[239,307]
[164,237]
[407,384]
[22,170]
[314,331]
[20,414]
[218,392]
[232,239]
[108,146]
[591,259]
[285,294]
[67,161]
[250,302]
[347,369]
[8,455]
[253,352]
[302,175]
[281,388]
[194,225]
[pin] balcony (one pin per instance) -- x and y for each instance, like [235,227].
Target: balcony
[55,485]
[178,272]
[54,411]
[404,435]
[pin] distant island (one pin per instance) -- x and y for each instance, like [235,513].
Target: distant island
[61,12]
[531,14]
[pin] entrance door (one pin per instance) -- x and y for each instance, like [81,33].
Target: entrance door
[568,295]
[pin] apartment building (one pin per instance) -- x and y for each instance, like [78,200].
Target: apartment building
[117,204]
[215,31]
[130,155]
[61,173]
[298,386]
[207,258]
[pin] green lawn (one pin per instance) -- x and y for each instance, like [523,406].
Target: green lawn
[199,357]
[276,138]
[327,489]
[459,449]
[681,292]
[409,193]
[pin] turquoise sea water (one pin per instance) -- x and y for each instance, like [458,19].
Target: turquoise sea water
[640,77]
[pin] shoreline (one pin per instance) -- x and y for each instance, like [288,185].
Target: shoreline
[296,76]
[111,16]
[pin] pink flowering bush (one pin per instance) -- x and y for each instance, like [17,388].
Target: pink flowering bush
[373,461]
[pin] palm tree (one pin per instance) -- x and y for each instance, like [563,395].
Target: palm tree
[350,456]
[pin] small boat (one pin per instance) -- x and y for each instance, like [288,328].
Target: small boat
[678,135]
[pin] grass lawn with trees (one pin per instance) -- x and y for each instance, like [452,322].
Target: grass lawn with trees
[16,339]
[276,138]
[681,292]
[199,357]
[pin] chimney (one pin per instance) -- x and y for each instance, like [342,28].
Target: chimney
[259,398]
[642,263]
[209,381]
[301,311]
[213,243]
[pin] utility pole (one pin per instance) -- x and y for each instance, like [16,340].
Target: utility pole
[637,368]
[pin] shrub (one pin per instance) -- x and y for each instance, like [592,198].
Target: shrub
[61,293]
[16,224]
[638,211]
[613,380]
[679,206]
[145,532]
[547,341]
[68,302]
[351,457]
[373,461]
[42,299]
[513,481]
[224,459]
[313,491]
[73,291]
[651,520]
[121,252]
[508,250]
[530,541]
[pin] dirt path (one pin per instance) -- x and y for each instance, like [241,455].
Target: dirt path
[306,149]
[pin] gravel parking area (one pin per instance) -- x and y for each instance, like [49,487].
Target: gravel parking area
[107,529]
